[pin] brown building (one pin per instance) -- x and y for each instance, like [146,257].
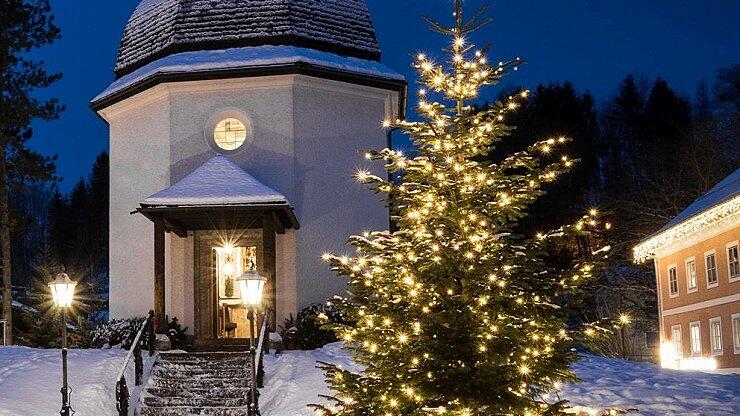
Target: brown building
[697,267]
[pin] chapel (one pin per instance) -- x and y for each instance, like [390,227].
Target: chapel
[235,129]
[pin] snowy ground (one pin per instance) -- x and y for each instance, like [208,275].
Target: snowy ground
[292,382]
[30,380]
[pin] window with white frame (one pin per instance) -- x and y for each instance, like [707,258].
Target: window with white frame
[691,281]
[736,332]
[733,260]
[710,261]
[676,339]
[715,332]
[672,281]
[695,337]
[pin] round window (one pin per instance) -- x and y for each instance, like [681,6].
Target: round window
[230,134]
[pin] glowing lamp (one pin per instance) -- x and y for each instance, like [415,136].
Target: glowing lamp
[251,285]
[228,268]
[62,290]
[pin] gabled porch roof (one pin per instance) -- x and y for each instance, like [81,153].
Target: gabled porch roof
[218,194]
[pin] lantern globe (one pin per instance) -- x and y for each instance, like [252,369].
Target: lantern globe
[251,285]
[63,290]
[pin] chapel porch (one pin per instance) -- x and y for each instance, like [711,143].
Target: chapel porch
[233,221]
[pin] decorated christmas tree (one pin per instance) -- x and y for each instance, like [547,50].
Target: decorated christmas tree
[455,313]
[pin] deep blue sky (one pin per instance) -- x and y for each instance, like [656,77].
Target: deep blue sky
[593,43]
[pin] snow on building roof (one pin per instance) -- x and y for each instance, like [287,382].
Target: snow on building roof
[158,28]
[217,182]
[246,58]
[724,190]
[715,209]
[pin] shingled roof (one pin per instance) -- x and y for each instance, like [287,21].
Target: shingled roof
[158,28]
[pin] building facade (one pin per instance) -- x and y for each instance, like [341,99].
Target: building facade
[697,266]
[235,131]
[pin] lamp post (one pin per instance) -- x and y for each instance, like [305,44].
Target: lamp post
[62,291]
[251,285]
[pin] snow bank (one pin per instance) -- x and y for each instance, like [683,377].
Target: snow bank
[30,380]
[292,381]
[651,389]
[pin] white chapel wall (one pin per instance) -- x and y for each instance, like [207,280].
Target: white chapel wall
[334,123]
[139,165]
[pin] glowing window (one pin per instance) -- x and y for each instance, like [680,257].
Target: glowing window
[676,339]
[695,334]
[715,329]
[230,134]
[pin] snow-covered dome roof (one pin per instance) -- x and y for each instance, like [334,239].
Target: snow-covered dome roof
[159,28]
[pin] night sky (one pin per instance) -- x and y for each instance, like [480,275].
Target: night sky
[592,43]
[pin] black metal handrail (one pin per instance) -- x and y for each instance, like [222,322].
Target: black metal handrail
[122,390]
[260,350]
[257,372]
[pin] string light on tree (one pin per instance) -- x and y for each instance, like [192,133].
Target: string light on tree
[455,314]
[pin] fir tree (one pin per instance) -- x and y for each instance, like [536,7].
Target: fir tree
[26,25]
[455,314]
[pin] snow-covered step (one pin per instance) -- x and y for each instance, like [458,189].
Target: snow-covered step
[182,364]
[193,411]
[189,384]
[209,393]
[151,401]
[209,357]
[208,384]
[200,373]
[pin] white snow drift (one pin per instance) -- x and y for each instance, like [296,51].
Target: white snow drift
[30,381]
[292,382]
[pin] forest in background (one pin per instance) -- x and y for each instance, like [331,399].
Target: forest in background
[54,231]
[644,155]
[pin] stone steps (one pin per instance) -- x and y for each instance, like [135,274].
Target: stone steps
[203,357]
[203,384]
[190,384]
[210,393]
[195,402]
[200,373]
[224,364]
[193,411]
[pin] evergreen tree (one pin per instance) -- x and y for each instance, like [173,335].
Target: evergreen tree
[78,223]
[99,200]
[554,110]
[26,25]
[727,98]
[454,313]
[28,202]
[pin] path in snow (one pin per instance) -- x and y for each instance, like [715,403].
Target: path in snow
[30,380]
[292,381]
